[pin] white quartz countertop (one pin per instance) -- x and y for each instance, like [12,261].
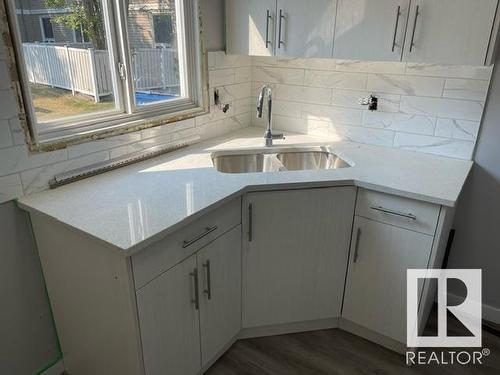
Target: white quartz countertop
[131,207]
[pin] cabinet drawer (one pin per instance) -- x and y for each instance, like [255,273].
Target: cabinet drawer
[402,212]
[162,255]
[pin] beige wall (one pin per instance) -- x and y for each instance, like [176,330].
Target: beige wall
[477,220]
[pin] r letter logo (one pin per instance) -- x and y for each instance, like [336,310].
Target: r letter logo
[468,312]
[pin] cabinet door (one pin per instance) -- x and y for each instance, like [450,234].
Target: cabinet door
[295,254]
[450,31]
[169,322]
[250,27]
[305,28]
[220,293]
[370,30]
[375,295]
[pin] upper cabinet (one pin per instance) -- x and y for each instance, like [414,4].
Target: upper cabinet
[280,27]
[371,30]
[427,31]
[305,28]
[250,27]
[449,31]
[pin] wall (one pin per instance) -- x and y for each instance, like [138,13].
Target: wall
[27,336]
[427,108]
[477,220]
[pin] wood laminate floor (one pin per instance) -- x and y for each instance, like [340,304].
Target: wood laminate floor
[337,352]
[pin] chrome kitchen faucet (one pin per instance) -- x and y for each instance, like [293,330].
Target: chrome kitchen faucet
[268,136]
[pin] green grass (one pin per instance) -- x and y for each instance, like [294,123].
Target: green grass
[53,103]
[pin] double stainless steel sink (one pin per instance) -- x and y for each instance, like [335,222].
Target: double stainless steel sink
[312,158]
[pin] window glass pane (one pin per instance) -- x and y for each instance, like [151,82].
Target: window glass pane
[153,42]
[163,29]
[48,31]
[67,77]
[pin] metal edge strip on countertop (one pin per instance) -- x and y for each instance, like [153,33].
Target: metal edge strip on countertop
[109,165]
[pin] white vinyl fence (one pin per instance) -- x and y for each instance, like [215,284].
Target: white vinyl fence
[87,70]
[155,68]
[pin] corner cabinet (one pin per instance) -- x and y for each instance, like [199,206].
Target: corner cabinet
[295,250]
[280,27]
[460,32]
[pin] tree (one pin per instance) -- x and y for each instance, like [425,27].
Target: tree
[86,14]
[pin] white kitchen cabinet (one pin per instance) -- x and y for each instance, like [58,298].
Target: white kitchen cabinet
[251,27]
[220,293]
[421,31]
[295,251]
[305,28]
[449,31]
[371,30]
[292,28]
[169,322]
[198,300]
[375,293]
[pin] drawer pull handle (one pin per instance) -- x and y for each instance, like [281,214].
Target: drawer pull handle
[392,212]
[268,17]
[250,222]
[208,291]
[207,231]
[282,17]
[196,300]
[412,43]
[356,246]
[398,14]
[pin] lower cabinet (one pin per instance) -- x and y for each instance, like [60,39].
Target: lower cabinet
[196,304]
[295,251]
[220,300]
[375,293]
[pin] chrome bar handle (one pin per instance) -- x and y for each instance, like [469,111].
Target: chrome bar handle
[356,246]
[412,43]
[207,231]
[268,17]
[196,300]
[282,17]
[392,212]
[208,291]
[398,14]
[250,222]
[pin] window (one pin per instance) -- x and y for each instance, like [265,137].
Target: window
[114,66]
[163,29]
[47,30]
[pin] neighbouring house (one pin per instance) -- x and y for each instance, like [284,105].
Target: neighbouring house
[151,24]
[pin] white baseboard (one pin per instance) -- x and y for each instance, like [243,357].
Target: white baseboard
[56,369]
[490,313]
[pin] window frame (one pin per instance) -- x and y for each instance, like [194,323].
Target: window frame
[42,27]
[126,117]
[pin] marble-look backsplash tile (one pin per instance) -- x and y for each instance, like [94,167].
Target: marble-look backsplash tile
[421,107]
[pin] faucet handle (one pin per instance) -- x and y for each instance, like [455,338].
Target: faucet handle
[278,136]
